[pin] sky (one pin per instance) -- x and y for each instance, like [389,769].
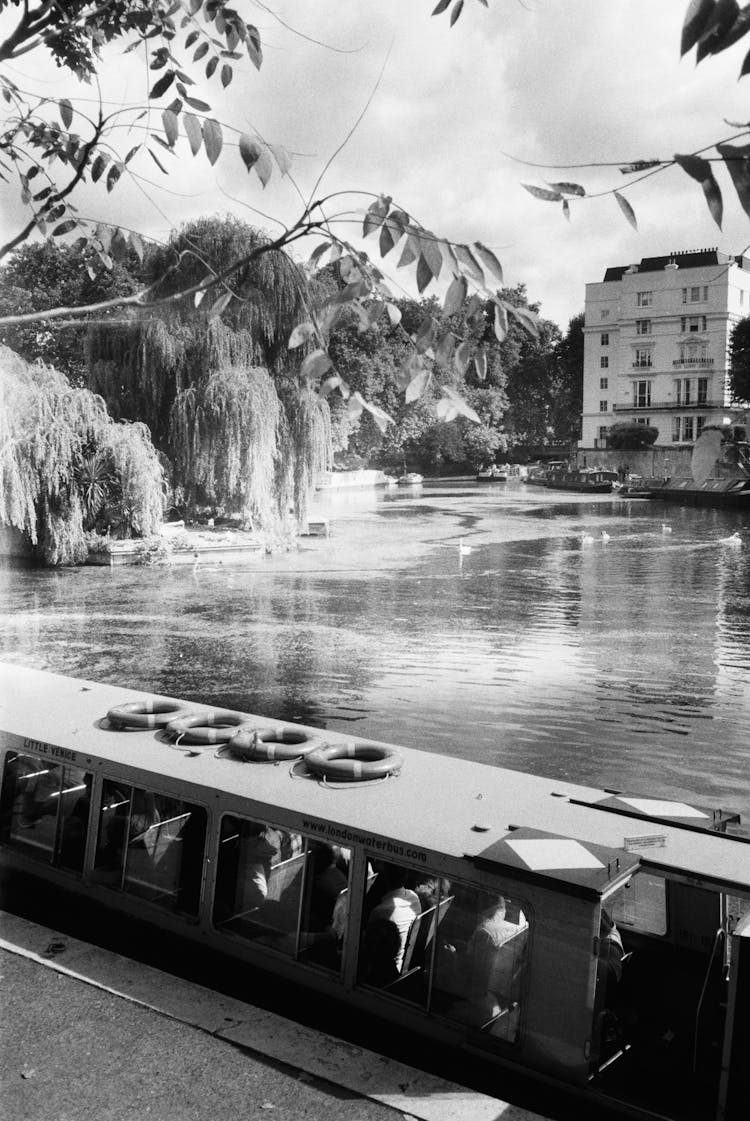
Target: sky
[455,117]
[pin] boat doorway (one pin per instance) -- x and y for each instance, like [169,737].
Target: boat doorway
[662,1036]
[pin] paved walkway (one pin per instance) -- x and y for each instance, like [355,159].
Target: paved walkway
[87,1033]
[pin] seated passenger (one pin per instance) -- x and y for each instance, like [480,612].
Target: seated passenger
[398,904]
[380,950]
[487,973]
[328,881]
[257,855]
[611,953]
[430,888]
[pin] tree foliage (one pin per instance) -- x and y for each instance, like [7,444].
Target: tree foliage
[631,437]
[739,360]
[65,464]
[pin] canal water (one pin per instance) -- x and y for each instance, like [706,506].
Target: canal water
[591,638]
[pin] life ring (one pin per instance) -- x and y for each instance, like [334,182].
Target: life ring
[353,762]
[145,714]
[204,728]
[274,745]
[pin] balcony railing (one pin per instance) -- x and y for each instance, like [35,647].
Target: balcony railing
[643,365]
[692,362]
[667,406]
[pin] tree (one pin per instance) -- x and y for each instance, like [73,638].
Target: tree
[567,393]
[631,437]
[739,361]
[66,466]
[46,275]
[51,145]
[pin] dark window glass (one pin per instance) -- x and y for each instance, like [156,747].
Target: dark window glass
[45,810]
[151,845]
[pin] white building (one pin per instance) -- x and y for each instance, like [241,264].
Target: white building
[656,343]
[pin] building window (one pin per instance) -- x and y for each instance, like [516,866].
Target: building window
[699,423]
[682,387]
[702,391]
[643,326]
[604,383]
[692,323]
[675,430]
[687,427]
[693,354]
[642,358]
[604,362]
[640,420]
[644,299]
[695,295]
[641,394]
[605,338]
[742,297]
[603,407]
[602,430]
[605,313]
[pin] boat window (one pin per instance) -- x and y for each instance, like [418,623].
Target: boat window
[281,890]
[45,810]
[455,950]
[641,905]
[481,963]
[151,845]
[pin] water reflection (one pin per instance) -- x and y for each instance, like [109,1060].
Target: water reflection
[622,662]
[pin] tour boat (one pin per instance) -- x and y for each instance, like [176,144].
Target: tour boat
[493,474]
[593,480]
[469,904]
[410,479]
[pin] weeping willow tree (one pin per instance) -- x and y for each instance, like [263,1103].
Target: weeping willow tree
[241,431]
[65,464]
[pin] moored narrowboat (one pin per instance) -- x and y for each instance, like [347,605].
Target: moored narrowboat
[598,941]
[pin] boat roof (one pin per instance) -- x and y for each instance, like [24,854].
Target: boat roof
[571,837]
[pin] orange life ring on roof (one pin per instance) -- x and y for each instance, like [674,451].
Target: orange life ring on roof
[204,728]
[145,714]
[354,762]
[274,745]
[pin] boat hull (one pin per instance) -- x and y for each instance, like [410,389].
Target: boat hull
[732,492]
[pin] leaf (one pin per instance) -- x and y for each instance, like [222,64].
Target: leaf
[696,18]
[218,306]
[282,157]
[212,139]
[113,175]
[480,362]
[386,241]
[193,131]
[718,29]
[410,252]
[443,4]
[700,170]
[459,404]
[261,163]
[461,357]
[424,274]
[528,320]
[249,150]
[316,364]
[211,66]
[444,349]
[161,86]
[379,415]
[489,260]
[469,263]
[641,165]
[627,209]
[737,159]
[445,410]
[98,167]
[394,314]
[375,215]
[542,193]
[170,121]
[226,74]
[568,189]
[66,112]
[318,252]
[354,406]
[426,334]
[501,323]
[64,227]
[137,243]
[457,9]
[455,296]
[301,334]
[195,103]
[200,51]
[417,386]
[431,252]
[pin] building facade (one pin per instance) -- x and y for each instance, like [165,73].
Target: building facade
[656,345]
